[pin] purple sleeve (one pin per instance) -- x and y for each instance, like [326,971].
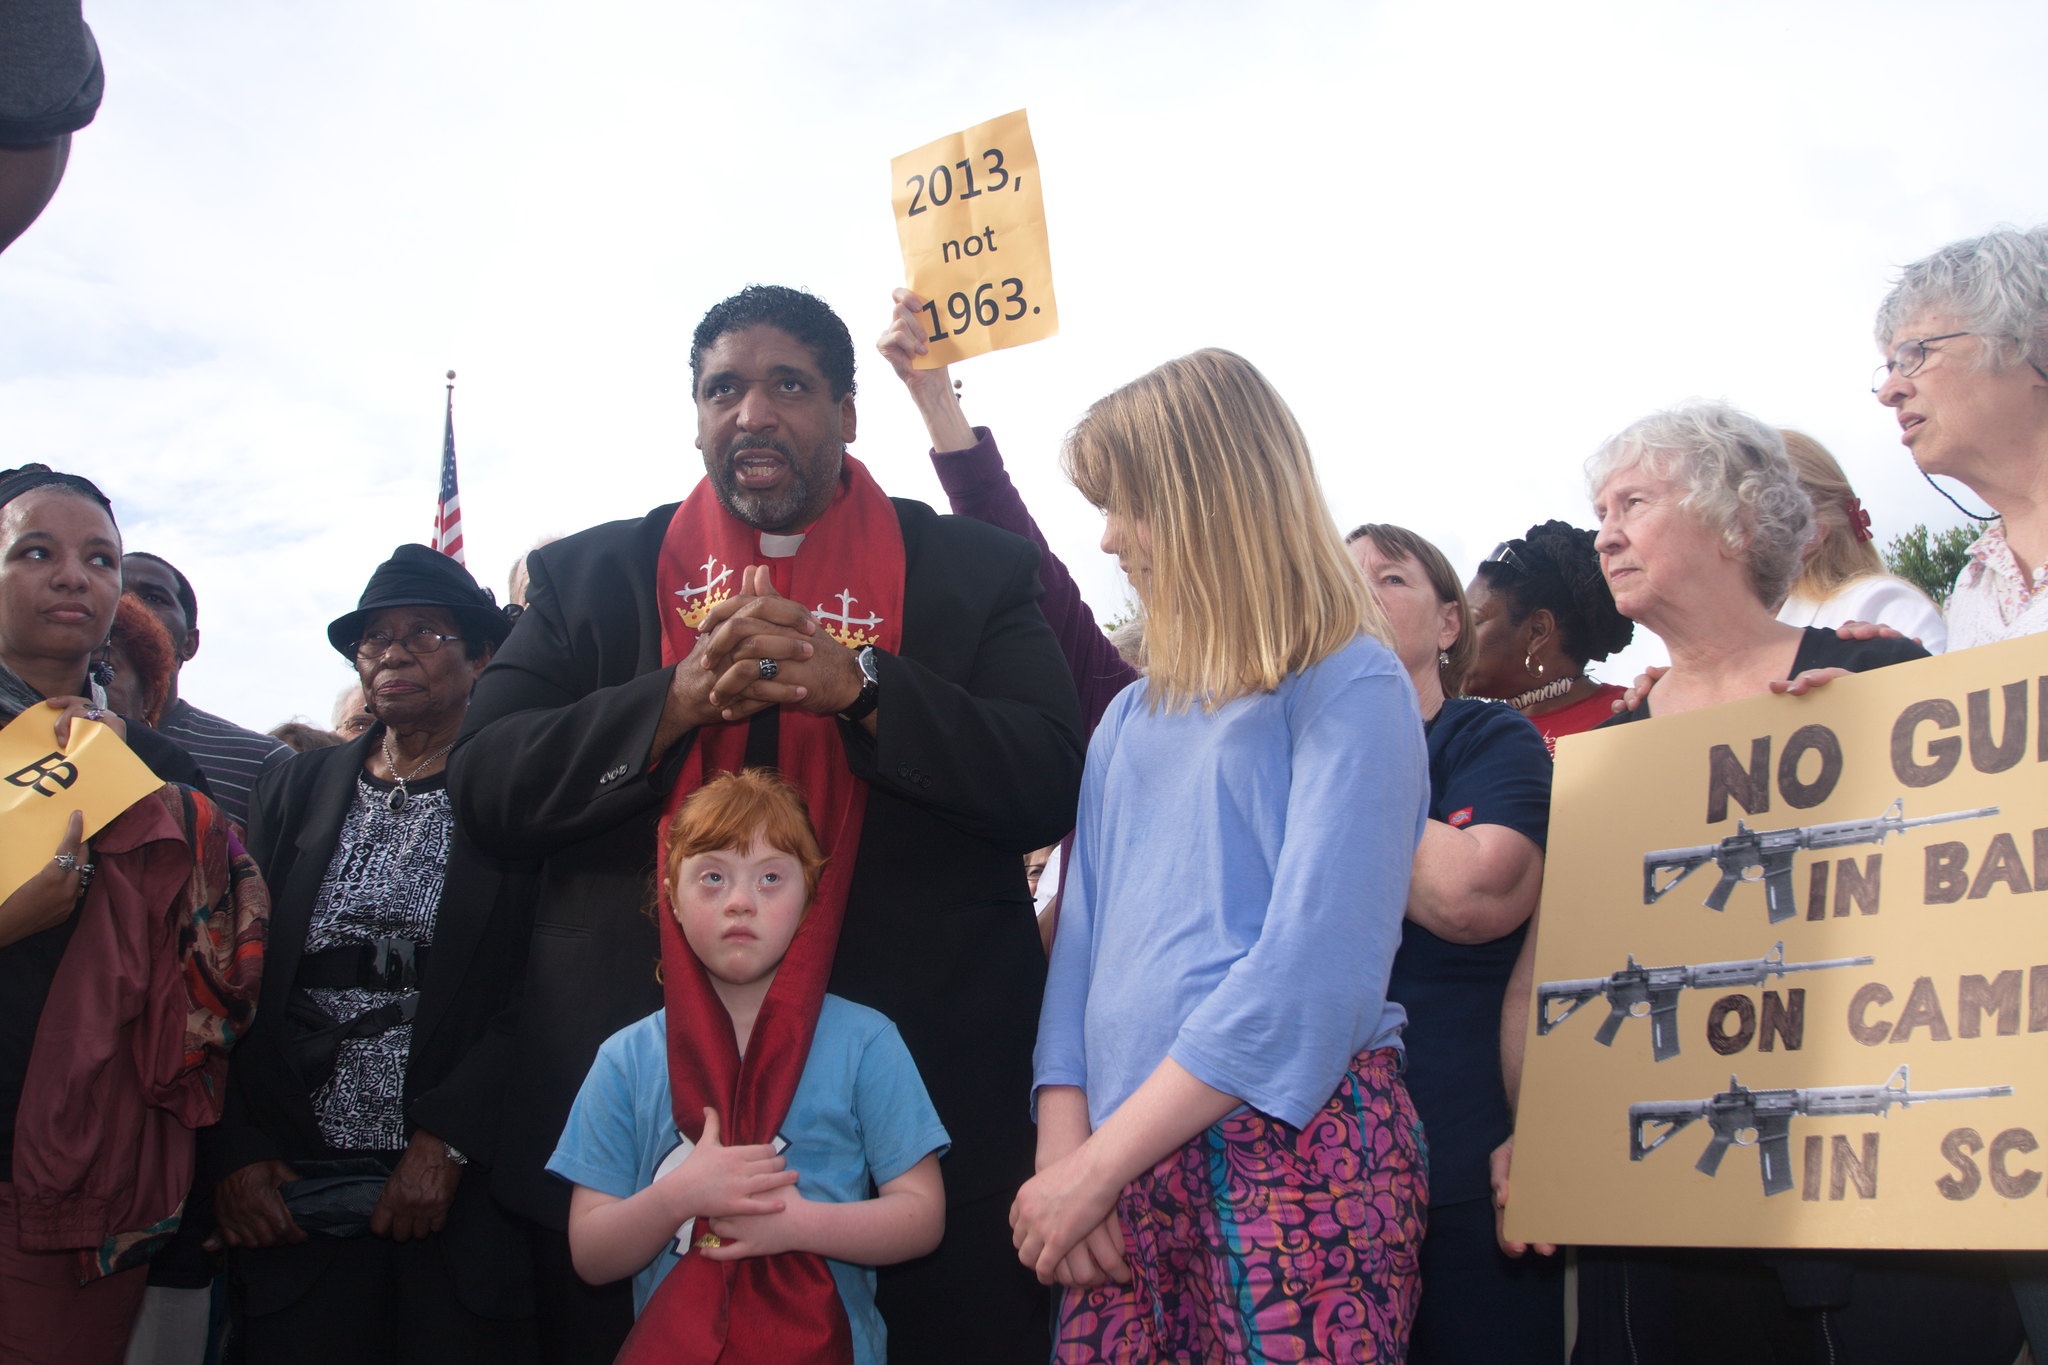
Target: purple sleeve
[977,486]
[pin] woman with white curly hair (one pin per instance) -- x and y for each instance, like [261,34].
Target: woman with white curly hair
[1702,528]
[1703,525]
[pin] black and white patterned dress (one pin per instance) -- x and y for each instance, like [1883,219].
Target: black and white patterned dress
[384,881]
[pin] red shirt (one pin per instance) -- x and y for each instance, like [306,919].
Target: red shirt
[1580,716]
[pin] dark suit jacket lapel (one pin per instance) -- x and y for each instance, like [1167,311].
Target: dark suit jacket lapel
[647,553]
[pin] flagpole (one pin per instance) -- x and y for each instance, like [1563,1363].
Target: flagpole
[448,507]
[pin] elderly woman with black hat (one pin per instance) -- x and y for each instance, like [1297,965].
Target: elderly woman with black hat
[354,1156]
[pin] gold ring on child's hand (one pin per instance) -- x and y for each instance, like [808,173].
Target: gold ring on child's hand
[709,1241]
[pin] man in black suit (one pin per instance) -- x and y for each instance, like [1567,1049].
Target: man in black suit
[967,735]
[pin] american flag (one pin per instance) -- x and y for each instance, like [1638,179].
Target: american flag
[448,512]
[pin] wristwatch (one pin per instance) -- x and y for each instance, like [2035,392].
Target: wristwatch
[870,685]
[449,1153]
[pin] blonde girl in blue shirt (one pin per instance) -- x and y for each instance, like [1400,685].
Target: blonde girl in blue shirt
[1228,1162]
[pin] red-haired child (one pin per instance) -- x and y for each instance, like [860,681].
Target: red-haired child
[854,1173]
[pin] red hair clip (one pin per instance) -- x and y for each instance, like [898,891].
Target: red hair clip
[1859,520]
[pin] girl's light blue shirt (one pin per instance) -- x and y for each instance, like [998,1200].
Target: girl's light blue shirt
[1238,886]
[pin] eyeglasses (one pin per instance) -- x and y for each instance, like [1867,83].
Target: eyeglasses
[417,643]
[1504,553]
[1908,359]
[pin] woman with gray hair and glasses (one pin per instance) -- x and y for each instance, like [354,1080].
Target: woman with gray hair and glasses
[1964,335]
[1965,339]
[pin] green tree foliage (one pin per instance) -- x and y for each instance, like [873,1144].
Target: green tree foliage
[1931,562]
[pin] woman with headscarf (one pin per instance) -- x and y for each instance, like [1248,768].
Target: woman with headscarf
[128,964]
[354,1157]
[1540,613]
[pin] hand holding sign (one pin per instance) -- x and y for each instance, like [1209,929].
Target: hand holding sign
[904,345]
[1879,991]
[972,224]
[48,781]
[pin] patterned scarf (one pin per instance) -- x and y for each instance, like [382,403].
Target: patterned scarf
[849,571]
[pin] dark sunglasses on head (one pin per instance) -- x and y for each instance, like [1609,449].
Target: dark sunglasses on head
[1504,553]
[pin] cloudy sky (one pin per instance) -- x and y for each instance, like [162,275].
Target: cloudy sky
[1466,241]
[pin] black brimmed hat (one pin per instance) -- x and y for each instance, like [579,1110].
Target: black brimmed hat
[417,576]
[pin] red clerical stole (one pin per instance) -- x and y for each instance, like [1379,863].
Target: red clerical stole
[766,1310]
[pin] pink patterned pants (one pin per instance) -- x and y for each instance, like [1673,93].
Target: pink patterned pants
[1262,1242]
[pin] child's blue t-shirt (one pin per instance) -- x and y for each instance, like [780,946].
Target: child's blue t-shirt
[860,1118]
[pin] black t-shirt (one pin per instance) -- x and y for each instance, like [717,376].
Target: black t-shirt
[1819,648]
[1487,766]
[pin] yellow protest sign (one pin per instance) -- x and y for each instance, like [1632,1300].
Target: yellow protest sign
[972,224]
[1792,974]
[40,785]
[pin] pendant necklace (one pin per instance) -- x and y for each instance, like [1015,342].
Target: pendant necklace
[396,801]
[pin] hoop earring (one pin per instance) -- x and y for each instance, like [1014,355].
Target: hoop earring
[1535,670]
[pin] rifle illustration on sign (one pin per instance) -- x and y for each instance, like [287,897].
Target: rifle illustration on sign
[1765,855]
[1637,990]
[1763,1118]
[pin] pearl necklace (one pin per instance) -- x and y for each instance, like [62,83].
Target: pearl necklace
[396,801]
[1557,687]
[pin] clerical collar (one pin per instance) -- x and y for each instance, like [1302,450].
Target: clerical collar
[781,547]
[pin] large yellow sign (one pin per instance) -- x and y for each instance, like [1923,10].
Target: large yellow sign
[41,784]
[972,224]
[1792,976]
